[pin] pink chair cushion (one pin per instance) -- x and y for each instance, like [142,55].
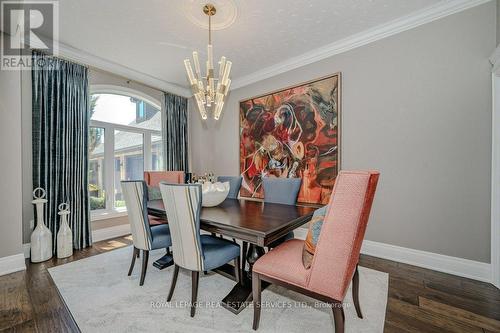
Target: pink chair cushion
[284,263]
[153,220]
[153,178]
[337,252]
[339,244]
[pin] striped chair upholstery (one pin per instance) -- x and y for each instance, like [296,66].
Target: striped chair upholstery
[234,185]
[135,195]
[191,250]
[183,206]
[144,236]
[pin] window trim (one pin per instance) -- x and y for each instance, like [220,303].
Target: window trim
[109,134]
[124,91]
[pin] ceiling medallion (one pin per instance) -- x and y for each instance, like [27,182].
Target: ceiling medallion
[209,91]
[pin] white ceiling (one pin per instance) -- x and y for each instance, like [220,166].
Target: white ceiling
[154,36]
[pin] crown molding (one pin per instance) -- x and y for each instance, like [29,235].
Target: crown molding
[85,58]
[91,60]
[426,15]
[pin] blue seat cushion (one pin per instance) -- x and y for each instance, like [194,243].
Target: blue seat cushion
[218,251]
[161,236]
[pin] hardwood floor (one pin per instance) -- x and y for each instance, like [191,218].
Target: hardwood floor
[419,300]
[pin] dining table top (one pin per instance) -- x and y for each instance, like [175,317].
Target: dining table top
[256,222]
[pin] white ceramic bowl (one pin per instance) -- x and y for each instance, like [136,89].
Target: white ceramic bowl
[214,194]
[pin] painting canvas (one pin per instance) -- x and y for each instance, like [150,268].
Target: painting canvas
[292,133]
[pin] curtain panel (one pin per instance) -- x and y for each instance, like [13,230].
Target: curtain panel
[175,136]
[60,121]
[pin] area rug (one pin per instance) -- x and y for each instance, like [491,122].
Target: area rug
[102,298]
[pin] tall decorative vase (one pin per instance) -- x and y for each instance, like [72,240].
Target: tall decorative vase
[41,237]
[64,235]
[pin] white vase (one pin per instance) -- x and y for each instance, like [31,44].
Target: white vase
[214,194]
[64,235]
[41,237]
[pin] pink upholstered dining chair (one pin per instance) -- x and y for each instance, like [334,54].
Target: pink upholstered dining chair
[335,261]
[153,178]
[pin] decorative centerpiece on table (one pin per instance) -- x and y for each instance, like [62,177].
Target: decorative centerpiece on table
[213,192]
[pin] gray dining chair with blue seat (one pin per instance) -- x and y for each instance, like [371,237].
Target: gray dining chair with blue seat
[281,191]
[191,250]
[234,185]
[145,237]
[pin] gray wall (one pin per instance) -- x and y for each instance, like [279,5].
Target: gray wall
[417,107]
[10,167]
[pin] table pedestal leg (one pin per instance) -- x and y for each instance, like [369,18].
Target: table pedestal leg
[241,294]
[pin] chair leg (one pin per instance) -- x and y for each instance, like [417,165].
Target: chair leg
[145,257]
[237,271]
[195,276]
[134,255]
[338,317]
[256,290]
[138,253]
[174,281]
[355,292]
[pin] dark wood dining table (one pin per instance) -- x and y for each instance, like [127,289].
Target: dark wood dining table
[256,224]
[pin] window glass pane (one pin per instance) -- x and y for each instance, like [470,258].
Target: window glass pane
[97,197]
[156,153]
[125,110]
[128,161]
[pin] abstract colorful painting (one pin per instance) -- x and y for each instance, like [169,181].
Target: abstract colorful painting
[292,133]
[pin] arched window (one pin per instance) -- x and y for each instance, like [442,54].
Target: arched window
[125,139]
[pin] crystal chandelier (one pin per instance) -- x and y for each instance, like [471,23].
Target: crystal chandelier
[209,91]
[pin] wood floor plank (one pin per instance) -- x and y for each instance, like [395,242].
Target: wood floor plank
[485,306]
[15,307]
[49,310]
[404,290]
[25,327]
[432,319]
[404,323]
[460,314]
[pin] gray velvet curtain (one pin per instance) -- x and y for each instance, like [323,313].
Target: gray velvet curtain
[175,135]
[60,120]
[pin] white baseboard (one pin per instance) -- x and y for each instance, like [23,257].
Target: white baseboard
[457,266]
[111,232]
[12,264]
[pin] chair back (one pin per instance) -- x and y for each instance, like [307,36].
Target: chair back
[183,207]
[234,185]
[135,193]
[342,233]
[153,178]
[281,190]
